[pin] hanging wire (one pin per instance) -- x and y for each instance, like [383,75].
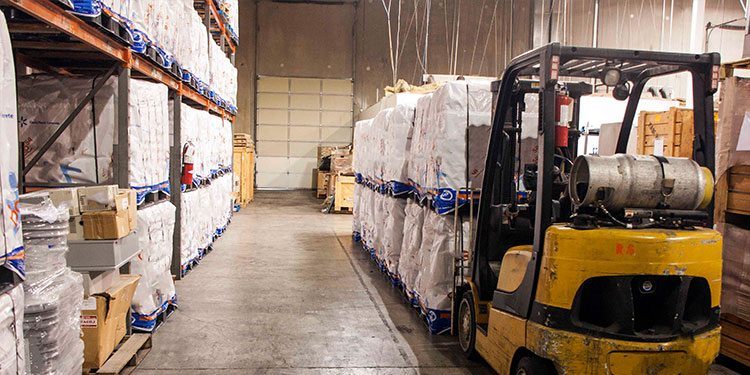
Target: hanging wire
[476,37]
[486,41]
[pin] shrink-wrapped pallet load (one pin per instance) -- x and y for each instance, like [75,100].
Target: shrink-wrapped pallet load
[156,289]
[44,102]
[460,119]
[397,143]
[12,254]
[418,153]
[409,260]
[12,347]
[87,145]
[53,292]
[148,137]
[205,211]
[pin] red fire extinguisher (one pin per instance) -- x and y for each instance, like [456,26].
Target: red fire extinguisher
[188,153]
[563,116]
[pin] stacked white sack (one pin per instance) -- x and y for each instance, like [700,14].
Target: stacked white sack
[376,139]
[417,156]
[148,136]
[156,288]
[44,102]
[205,212]
[437,257]
[211,140]
[393,232]
[53,292]
[456,108]
[12,348]
[192,42]
[397,142]
[12,245]
[410,260]
[223,74]
[361,145]
[357,211]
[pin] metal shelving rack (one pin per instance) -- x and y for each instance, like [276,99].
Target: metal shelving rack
[217,26]
[48,38]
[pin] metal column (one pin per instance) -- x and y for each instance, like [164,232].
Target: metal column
[175,186]
[123,120]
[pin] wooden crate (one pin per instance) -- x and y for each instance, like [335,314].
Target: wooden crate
[243,140]
[738,190]
[672,130]
[344,194]
[323,180]
[735,338]
[244,171]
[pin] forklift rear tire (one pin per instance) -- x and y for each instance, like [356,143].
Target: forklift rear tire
[467,325]
[531,365]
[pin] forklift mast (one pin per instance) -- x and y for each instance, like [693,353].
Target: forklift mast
[546,71]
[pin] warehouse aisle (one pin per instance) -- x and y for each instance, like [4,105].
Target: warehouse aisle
[285,291]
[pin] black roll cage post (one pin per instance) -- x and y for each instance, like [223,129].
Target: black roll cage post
[549,63]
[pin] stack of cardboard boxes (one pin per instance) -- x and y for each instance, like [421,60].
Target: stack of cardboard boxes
[732,216]
[98,212]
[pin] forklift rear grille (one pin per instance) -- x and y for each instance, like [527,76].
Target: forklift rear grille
[639,307]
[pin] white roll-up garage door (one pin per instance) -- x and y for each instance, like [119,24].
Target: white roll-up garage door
[294,117]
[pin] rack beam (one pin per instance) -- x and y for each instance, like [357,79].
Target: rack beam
[94,40]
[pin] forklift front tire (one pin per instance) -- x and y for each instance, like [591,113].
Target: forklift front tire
[467,325]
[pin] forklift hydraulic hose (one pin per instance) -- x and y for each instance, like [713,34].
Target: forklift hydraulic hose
[627,181]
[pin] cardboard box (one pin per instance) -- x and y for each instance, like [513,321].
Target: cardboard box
[103,318]
[106,225]
[66,196]
[127,200]
[97,198]
[100,283]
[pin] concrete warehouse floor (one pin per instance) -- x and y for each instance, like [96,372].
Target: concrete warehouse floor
[286,291]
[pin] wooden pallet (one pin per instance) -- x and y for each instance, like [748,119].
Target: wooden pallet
[127,355]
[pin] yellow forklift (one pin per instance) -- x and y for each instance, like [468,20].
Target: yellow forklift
[593,264]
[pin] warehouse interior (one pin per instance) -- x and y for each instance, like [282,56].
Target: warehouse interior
[375,187]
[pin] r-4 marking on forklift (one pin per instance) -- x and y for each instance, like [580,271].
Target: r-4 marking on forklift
[620,249]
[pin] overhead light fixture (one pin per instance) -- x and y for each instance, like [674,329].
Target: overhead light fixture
[612,77]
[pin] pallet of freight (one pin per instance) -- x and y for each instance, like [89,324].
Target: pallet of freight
[732,216]
[343,193]
[243,140]
[244,172]
[735,338]
[129,353]
[667,133]
[733,194]
[322,182]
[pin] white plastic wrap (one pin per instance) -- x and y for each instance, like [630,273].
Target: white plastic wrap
[397,143]
[12,347]
[44,102]
[223,75]
[211,138]
[393,231]
[156,288]
[53,293]
[458,107]
[148,136]
[205,213]
[11,255]
[410,261]
[416,158]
